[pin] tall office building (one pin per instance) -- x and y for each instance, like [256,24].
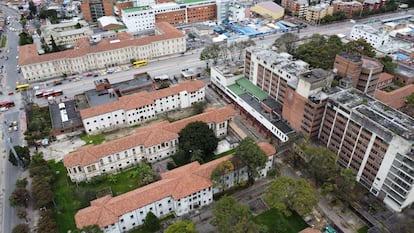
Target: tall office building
[94,9]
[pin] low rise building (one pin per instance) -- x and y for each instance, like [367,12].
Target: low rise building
[92,10]
[65,33]
[317,12]
[109,23]
[404,73]
[268,9]
[349,8]
[141,107]
[179,191]
[297,8]
[396,98]
[103,54]
[149,144]
[375,37]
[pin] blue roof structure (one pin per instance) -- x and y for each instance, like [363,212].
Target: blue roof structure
[401,56]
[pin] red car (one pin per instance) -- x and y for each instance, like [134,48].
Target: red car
[11,93]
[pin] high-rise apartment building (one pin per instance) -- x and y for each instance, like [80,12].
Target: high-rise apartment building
[375,141]
[94,9]
[297,8]
[369,137]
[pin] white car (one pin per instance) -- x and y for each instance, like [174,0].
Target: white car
[15,128]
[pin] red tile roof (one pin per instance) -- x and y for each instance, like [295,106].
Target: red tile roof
[385,76]
[396,98]
[141,99]
[28,53]
[150,135]
[310,230]
[177,183]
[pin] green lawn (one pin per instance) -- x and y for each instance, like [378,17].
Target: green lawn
[70,197]
[363,229]
[277,223]
[93,139]
[3,41]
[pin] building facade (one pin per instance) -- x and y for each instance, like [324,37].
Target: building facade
[65,33]
[179,191]
[141,18]
[373,140]
[141,107]
[317,12]
[364,72]
[94,9]
[349,8]
[107,53]
[374,37]
[297,8]
[151,144]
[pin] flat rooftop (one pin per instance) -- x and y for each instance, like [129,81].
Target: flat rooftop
[73,116]
[283,60]
[274,118]
[138,8]
[378,113]
[405,71]
[249,87]
[92,98]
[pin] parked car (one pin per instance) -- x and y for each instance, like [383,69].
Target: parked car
[11,93]
[15,128]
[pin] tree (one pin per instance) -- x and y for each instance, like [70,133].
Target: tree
[287,194]
[46,222]
[410,100]
[229,216]
[41,192]
[287,42]
[21,213]
[23,154]
[252,156]
[32,8]
[219,171]
[322,165]
[19,197]
[21,183]
[40,167]
[25,38]
[151,222]
[389,66]
[242,45]
[144,173]
[181,227]
[360,47]
[211,52]
[21,228]
[197,136]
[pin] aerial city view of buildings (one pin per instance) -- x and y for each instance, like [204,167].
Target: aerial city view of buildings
[207,116]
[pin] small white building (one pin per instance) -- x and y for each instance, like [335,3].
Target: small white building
[141,107]
[375,37]
[151,143]
[179,191]
[236,12]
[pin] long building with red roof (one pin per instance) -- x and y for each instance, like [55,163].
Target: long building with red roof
[107,53]
[150,143]
[140,107]
[181,191]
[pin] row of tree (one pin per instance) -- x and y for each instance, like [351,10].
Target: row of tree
[216,52]
[320,52]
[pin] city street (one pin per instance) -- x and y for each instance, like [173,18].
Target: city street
[10,173]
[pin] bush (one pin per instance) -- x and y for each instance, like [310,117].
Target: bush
[171,165]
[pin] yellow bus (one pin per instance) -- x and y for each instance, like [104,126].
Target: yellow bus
[140,63]
[22,87]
